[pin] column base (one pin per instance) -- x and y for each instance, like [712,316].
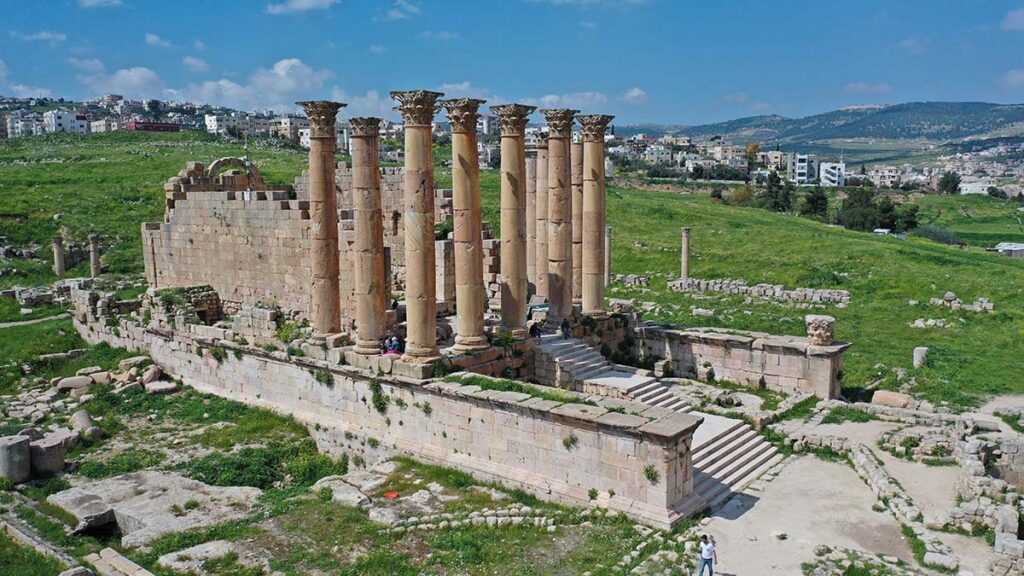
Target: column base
[471,343]
[367,347]
[597,314]
[420,355]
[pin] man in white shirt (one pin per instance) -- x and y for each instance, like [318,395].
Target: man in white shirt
[708,556]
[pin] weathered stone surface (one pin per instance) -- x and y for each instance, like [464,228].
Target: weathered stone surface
[821,329]
[141,504]
[342,492]
[14,458]
[47,455]
[890,398]
[129,363]
[76,571]
[151,375]
[80,421]
[161,387]
[191,560]
[920,356]
[364,480]
[74,383]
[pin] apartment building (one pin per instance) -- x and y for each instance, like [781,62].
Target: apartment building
[832,173]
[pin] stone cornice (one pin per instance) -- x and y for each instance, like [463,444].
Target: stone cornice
[417,107]
[365,126]
[594,126]
[559,121]
[513,118]
[463,114]
[322,116]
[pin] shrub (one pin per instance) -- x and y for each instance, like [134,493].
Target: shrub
[218,353]
[592,493]
[570,441]
[651,473]
[324,377]
[378,398]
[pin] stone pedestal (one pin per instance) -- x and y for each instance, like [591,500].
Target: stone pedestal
[469,273]
[371,291]
[94,255]
[325,305]
[607,255]
[576,182]
[514,293]
[14,458]
[821,330]
[541,224]
[417,108]
[594,230]
[58,256]
[559,224]
[531,221]
[684,254]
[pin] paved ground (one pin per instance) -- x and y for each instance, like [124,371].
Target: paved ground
[812,501]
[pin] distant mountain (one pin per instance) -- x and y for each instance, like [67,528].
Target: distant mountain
[934,121]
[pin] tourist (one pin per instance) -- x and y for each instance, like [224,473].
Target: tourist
[535,330]
[565,328]
[708,556]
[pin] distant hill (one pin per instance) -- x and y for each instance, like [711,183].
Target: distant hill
[933,121]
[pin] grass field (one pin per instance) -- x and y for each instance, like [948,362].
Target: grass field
[977,220]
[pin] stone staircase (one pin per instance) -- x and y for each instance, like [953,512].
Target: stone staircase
[573,360]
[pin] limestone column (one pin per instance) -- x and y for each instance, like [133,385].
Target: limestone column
[469,264]
[58,256]
[418,108]
[594,230]
[325,291]
[576,181]
[94,255]
[371,292]
[559,214]
[514,293]
[531,220]
[541,224]
[684,254]
[607,255]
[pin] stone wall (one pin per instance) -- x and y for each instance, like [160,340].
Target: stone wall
[750,358]
[774,292]
[559,451]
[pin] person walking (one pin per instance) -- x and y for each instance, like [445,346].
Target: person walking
[708,556]
[565,328]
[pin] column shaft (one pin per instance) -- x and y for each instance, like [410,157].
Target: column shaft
[531,220]
[607,255]
[368,250]
[542,222]
[94,255]
[684,254]
[576,179]
[58,256]
[593,228]
[559,215]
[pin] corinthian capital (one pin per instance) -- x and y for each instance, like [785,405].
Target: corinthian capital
[513,118]
[559,121]
[417,107]
[365,126]
[594,126]
[462,113]
[322,116]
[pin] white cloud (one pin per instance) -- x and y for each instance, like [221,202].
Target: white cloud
[20,90]
[137,82]
[154,40]
[912,45]
[584,101]
[87,64]
[98,3]
[41,36]
[370,104]
[277,88]
[378,49]
[195,64]
[1014,20]
[736,97]
[401,10]
[294,6]
[866,88]
[1013,78]
[465,89]
[440,35]
[198,44]
[634,95]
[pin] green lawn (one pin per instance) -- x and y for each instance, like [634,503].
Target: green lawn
[977,220]
[19,561]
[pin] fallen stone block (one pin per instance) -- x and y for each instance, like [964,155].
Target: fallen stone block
[152,374]
[890,398]
[342,492]
[80,421]
[73,383]
[15,458]
[129,363]
[47,455]
[161,387]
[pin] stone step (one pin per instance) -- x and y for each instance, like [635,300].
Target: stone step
[566,354]
[711,462]
[744,478]
[721,444]
[641,389]
[676,403]
[733,473]
[654,395]
[709,437]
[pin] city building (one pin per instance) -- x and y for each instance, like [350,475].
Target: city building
[104,125]
[832,173]
[976,185]
[657,154]
[801,168]
[141,126]
[65,121]
[288,127]
[885,176]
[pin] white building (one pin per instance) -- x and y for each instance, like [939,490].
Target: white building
[976,185]
[65,121]
[342,132]
[885,176]
[657,154]
[801,169]
[832,173]
[104,125]
[20,124]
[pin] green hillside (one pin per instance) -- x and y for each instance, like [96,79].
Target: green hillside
[977,220]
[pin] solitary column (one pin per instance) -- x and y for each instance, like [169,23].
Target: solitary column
[94,255]
[559,214]
[371,292]
[576,181]
[594,231]
[58,256]
[325,292]
[417,108]
[531,220]
[607,255]
[684,255]
[542,218]
[469,265]
[513,118]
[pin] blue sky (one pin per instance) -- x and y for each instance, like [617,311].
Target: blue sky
[665,61]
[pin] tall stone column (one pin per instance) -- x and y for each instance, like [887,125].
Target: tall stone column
[94,255]
[371,291]
[418,108]
[541,247]
[58,256]
[469,265]
[559,238]
[325,292]
[607,255]
[514,293]
[531,220]
[684,254]
[594,230]
[576,182]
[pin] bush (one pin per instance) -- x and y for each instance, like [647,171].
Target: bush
[261,467]
[218,353]
[651,473]
[324,377]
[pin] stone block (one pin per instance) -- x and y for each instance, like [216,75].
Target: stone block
[47,455]
[890,398]
[15,458]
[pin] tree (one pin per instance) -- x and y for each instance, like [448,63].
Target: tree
[815,203]
[886,213]
[949,183]
[742,196]
[859,211]
[777,197]
[996,193]
[906,217]
[751,152]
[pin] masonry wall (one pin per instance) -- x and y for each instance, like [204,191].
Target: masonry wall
[750,358]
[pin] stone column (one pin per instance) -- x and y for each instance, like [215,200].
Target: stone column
[531,220]
[325,292]
[684,254]
[469,265]
[594,230]
[607,255]
[94,255]
[58,256]
[541,224]
[368,250]
[559,238]
[418,108]
[576,182]
[514,293]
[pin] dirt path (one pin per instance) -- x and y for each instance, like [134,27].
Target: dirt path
[36,321]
